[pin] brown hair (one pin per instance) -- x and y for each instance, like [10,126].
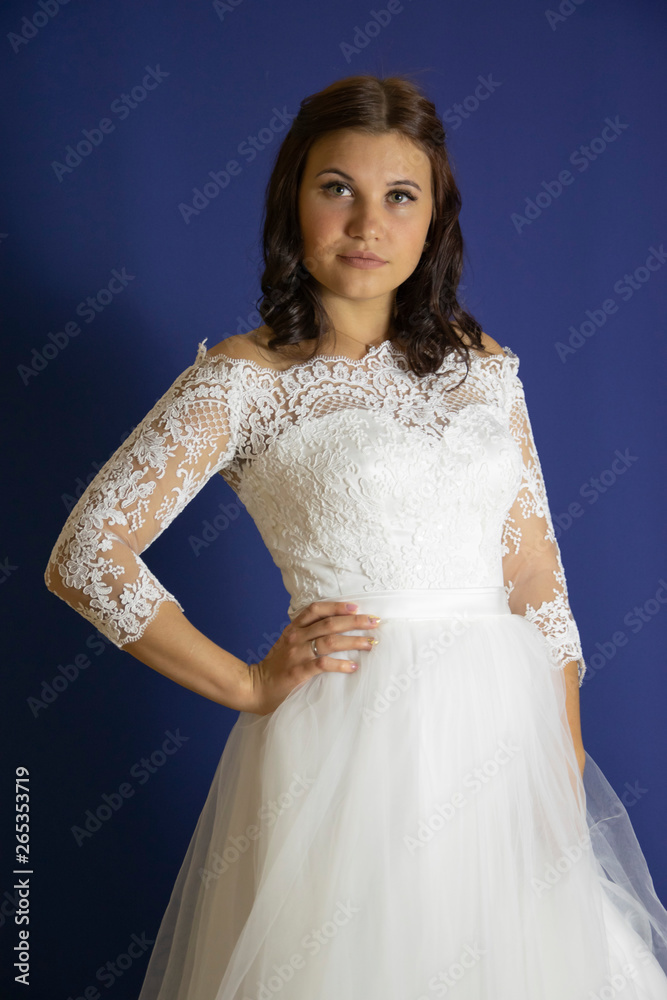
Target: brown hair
[426,302]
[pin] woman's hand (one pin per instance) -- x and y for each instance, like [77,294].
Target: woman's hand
[292,660]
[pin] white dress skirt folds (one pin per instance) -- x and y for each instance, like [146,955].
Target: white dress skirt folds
[417,829]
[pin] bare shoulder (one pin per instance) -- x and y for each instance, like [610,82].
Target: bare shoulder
[250,346]
[489,345]
[240,345]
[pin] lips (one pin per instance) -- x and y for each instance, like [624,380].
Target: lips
[363,255]
[362,260]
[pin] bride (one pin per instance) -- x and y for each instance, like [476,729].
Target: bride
[404,808]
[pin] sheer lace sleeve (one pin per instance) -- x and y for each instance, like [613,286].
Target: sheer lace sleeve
[189,435]
[532,567]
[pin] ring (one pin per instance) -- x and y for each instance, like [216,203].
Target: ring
[314,647]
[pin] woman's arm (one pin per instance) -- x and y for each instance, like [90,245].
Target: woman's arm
[96,567]
[532,565]
[571,672]
[175,648]
[533,569]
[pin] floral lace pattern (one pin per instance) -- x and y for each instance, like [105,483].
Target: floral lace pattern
[96,563]
[359,475]
[532,565]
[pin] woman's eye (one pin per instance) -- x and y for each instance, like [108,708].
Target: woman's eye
[334,184]
[406,194]
[338,184]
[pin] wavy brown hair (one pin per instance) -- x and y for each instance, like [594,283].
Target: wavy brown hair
[426,302]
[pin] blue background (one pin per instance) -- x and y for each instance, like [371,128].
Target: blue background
[555,82]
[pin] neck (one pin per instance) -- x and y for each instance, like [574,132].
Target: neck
[339,342]
[355,325]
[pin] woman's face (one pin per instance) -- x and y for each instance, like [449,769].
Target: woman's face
[363,192]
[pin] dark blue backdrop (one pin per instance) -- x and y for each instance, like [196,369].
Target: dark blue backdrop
[120,119]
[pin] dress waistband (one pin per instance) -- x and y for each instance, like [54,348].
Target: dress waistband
[432,603]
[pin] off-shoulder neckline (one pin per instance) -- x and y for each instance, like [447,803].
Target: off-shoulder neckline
[202,355]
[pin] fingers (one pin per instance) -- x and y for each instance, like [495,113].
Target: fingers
[321,609]
[327,665]
[292,660]
[324,622]
[326,645]
[324,617]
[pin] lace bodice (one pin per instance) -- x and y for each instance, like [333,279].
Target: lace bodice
[359,474]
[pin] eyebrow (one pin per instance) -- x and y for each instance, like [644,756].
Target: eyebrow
[335,170]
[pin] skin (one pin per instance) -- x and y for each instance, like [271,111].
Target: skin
[366,211]
[572,709]
[337,214]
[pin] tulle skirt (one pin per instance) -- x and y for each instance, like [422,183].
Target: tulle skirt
[417,829]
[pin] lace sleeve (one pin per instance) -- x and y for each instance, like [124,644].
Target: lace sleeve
[532,567]
[189,435]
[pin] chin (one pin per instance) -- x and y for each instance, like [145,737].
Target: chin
[362,289]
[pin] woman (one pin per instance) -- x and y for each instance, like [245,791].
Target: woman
[400,808]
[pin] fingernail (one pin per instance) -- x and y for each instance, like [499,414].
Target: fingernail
[351,607]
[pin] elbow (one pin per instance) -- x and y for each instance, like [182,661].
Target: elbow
[52,576]
[48,576]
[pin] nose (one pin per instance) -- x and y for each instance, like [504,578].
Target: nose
[364,221]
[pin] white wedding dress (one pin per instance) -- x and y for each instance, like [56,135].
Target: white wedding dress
[419,828]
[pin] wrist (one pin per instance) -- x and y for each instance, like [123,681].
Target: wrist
[247,694]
